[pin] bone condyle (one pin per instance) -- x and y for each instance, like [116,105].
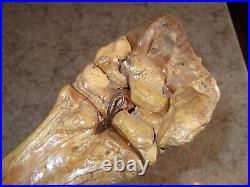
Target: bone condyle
[166,98]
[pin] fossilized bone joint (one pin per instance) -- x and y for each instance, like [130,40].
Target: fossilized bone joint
[169,98]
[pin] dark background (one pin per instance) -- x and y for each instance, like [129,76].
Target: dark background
[238,12]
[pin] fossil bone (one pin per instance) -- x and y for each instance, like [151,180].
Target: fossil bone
[169,98]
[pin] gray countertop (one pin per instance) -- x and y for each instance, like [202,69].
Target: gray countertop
[46,46]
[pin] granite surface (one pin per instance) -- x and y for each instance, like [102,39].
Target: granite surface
[46,46]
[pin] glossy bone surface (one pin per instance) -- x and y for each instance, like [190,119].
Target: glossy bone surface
[170,97]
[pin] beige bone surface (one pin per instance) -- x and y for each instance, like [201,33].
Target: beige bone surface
[170,97]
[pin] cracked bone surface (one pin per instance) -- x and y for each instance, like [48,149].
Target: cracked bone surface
[170,97]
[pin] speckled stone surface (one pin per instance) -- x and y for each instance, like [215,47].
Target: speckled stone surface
[46,46]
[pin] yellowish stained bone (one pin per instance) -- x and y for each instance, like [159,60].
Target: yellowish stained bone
[64,148]
[170,98]
[137,131]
